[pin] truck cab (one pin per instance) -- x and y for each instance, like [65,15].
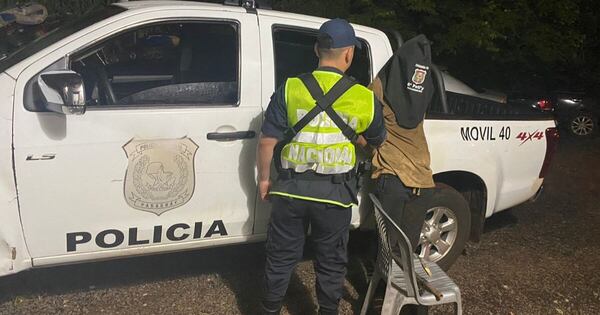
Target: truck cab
[133,130]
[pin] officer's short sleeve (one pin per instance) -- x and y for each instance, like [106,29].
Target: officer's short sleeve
[376,133]
[275,122]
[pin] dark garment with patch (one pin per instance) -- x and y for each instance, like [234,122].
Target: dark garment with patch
[407,81]
[405,87]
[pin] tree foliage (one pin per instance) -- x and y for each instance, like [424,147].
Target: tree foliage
[495,43]
[62,6]
[503,43]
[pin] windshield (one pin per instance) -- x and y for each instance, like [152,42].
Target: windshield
[27,29]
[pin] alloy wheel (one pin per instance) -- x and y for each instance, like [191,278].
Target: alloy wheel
[438,234]
[582,125]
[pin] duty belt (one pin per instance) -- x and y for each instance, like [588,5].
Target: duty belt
[287,174]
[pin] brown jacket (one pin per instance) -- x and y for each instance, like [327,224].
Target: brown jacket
[405,152]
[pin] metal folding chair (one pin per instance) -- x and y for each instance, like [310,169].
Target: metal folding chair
[410,280]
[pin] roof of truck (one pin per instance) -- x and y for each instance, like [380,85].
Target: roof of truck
[152,4]
[135,5]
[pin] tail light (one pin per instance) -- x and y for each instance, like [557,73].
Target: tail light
[544,105]
[552,137]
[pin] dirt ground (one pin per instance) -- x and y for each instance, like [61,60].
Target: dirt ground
[537,258]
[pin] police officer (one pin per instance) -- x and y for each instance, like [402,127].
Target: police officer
[311,126]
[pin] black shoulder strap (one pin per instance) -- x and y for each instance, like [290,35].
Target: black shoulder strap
[324,103]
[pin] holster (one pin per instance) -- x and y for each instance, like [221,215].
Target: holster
[362,168]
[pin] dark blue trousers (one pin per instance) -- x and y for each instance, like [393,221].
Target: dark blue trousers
[285,244]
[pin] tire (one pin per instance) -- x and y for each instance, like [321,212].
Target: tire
[442,206]
[582,125]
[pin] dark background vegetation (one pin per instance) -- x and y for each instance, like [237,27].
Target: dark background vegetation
[506,45]
[62,6]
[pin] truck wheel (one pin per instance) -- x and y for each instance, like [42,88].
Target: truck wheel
[582,125]
[446,228]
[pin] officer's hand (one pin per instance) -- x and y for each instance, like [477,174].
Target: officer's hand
[361,141]
[263,187]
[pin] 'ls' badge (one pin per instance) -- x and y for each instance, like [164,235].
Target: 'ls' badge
[160,175]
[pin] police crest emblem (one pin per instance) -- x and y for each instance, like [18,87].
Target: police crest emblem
[419,76]
[160,174]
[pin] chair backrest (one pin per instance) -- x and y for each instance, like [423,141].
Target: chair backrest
[405,261]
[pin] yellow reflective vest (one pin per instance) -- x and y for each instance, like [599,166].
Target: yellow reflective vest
[321,146]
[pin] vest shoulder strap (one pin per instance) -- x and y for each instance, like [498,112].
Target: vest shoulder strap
[324,103]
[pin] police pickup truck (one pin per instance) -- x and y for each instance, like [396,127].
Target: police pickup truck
[132,130]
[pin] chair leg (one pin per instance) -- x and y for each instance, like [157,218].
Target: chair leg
[389,301]
[458,304]
[399,303]
[370,292]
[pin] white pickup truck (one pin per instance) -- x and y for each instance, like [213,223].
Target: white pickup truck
[132,131]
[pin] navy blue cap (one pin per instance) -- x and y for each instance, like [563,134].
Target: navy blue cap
[337,33]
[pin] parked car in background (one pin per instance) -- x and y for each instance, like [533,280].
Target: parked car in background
[534,100]
[576,112]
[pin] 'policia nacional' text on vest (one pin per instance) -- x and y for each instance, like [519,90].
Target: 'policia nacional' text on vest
[318,105]
[321,146]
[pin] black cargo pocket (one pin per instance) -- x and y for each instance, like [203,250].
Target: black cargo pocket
[342,247]
[269,243]
[343,236]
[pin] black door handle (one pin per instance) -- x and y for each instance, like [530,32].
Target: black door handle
[230,136]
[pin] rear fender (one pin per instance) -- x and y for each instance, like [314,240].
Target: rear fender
[485,169]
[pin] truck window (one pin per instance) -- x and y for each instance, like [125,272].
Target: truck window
[294,55]
[163,64]
[190,63]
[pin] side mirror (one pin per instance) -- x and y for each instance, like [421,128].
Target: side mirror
[63,92]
